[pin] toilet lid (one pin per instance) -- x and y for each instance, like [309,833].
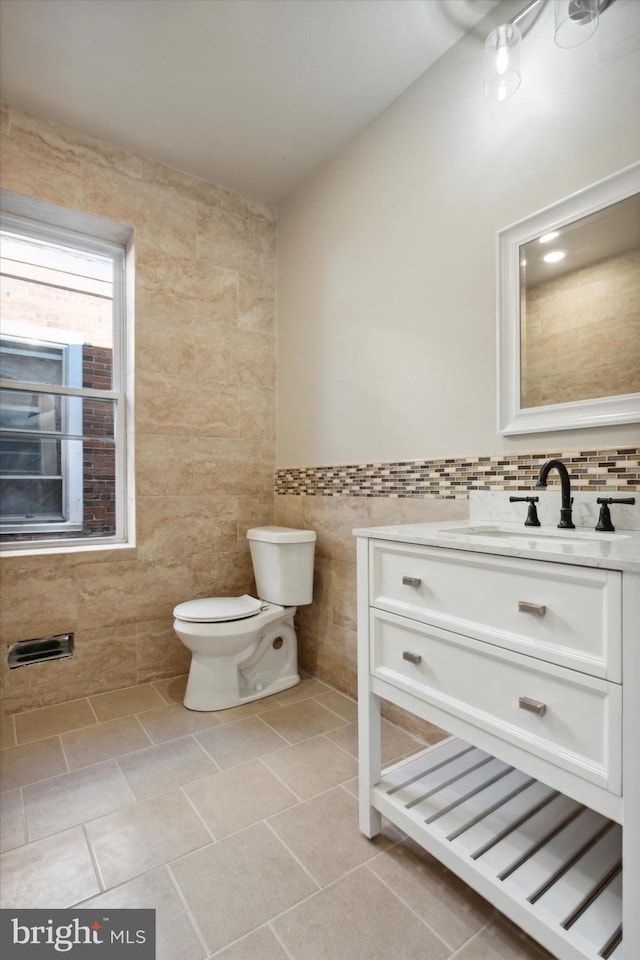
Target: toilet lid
[217,609]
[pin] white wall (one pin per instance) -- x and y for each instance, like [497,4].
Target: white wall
[386,284]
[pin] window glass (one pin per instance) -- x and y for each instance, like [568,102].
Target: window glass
[62,399]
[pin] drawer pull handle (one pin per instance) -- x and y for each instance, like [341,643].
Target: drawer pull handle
[412,581]
[537,608]
[411,657]
[532,705]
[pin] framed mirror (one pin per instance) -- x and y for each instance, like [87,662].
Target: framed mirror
[569,311]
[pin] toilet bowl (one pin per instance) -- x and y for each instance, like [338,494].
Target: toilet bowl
[244,648]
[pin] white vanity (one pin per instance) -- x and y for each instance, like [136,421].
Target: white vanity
[518,643]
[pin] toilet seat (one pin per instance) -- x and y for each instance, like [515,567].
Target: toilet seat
[218,609]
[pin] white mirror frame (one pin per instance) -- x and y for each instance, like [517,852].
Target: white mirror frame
[512,418]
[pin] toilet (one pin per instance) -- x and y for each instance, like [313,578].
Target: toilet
[245,648]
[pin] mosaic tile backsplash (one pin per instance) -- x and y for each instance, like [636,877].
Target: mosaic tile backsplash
[615,468]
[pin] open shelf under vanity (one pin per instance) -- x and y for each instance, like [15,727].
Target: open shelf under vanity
[526,847]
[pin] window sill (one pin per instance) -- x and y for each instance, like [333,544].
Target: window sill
[126,551]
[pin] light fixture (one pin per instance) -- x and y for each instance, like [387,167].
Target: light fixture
[548,237]
[554,256]
[575,22]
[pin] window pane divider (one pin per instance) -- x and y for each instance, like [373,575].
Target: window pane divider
[59,390]
[54,435]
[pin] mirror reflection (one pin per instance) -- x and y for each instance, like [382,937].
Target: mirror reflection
[580,309]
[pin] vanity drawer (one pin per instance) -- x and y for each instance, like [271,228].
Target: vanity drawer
[568,615]
[578,727]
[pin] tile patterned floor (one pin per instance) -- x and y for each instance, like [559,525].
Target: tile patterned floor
[238,827]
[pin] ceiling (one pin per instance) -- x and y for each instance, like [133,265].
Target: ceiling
[249,94]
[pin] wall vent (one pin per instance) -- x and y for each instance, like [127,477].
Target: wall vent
[44,648]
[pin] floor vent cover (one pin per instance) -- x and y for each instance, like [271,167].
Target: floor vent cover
[44,648]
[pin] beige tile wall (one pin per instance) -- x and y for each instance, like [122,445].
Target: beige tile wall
[327,628]
[205,434]
[594,314]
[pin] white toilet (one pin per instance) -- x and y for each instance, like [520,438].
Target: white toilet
[243,649]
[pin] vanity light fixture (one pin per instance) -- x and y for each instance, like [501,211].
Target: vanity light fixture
[575,22]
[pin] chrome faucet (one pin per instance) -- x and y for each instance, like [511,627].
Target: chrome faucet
[565,510]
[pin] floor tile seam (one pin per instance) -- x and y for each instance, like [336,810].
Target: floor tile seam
[129,689]
[473,936]
[334,743]
[297,860]
[314,796]
[178,736]
[354,756]
[116,755]
[246,935]
[59,733]
[157,866]
[32,783]
[247,716]
[159,746]
[165,867]
[112,760]
[50,706]
[123,775]
[9,718]
[245,826]
[292,701]
[182,790]
[133,713]
[160,693]
[294,743]
[341,783]
[273,773]
[94,859]
[281,943]
[449,948]
[318,892]
[23,821]
[268,726]
[80,823]
[316,697]
[93,710]
[185,906]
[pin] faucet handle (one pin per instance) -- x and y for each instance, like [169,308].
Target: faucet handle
[604,520]
[532,513]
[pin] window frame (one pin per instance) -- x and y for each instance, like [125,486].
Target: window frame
[30,218]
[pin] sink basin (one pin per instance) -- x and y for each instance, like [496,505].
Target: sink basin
[537,534]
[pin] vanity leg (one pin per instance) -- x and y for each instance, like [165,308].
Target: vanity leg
[369,761]
[630,772]
[369,753]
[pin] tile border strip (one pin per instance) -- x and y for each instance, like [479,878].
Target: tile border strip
[615,468]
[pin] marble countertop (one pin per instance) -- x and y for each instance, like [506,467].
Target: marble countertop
[584,546]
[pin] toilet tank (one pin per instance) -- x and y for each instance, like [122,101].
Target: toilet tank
[282,560]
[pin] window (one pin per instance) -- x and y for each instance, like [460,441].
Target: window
[63,396]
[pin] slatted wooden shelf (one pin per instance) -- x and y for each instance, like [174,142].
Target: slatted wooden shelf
[541,857]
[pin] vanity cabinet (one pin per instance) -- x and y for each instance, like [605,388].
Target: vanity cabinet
[520,660]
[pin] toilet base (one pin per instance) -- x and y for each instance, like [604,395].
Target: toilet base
[269,665]
[197,700]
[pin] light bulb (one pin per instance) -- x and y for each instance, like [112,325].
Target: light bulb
[502,60]
[502,74]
